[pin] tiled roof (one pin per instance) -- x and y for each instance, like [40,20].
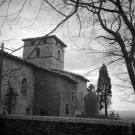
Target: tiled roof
[71,73]
[5,54]
[51,36]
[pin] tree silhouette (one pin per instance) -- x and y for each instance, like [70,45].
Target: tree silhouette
[113,25]
[111,21]
[104,88]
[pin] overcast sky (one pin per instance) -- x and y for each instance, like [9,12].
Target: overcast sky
[75,59]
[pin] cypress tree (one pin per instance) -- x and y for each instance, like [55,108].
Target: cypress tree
[104,88]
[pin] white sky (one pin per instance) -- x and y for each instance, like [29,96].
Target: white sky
[75,60]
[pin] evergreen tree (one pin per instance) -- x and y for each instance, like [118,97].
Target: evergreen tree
[104,88]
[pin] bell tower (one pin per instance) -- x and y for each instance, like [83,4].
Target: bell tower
[46,52]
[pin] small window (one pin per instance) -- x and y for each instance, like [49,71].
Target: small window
[56,42]
[67,109]
[24,85]
[58,54]
[32,42]
[73,97]
[37,52]
[44,41]
[27,111]
[81,96]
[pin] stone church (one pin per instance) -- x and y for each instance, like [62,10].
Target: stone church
[37,83]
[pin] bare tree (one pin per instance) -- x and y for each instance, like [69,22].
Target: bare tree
[125,88]
[111,21]
[17,16]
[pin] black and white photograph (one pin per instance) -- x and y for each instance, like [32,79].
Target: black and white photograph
[67,67]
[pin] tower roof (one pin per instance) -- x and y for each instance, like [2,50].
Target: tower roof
[51,36]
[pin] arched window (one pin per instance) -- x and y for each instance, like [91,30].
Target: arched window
[37,52]
[58,54]
[24,85]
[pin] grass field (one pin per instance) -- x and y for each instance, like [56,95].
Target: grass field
[130,119]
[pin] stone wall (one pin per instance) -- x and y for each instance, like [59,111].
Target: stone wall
[52,93]
[45,58]
[48,53]
[56,62]
[47,94]
[19,71]
[67,98]
[35,125]
[80,93]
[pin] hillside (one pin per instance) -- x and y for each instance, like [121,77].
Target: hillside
[127,115]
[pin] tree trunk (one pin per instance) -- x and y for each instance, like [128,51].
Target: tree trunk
[129,59]
[131,73]
[106,108]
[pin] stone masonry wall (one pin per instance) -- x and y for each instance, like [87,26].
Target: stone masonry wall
[57,63]
[47,93]
[52,93]
[15,78]
[67,87]
[45,58]
[81,89]
[35,125]
[48,53]
[80,93]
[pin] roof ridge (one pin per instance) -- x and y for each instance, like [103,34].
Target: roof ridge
[69,72]
[54,36]
[16,58]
